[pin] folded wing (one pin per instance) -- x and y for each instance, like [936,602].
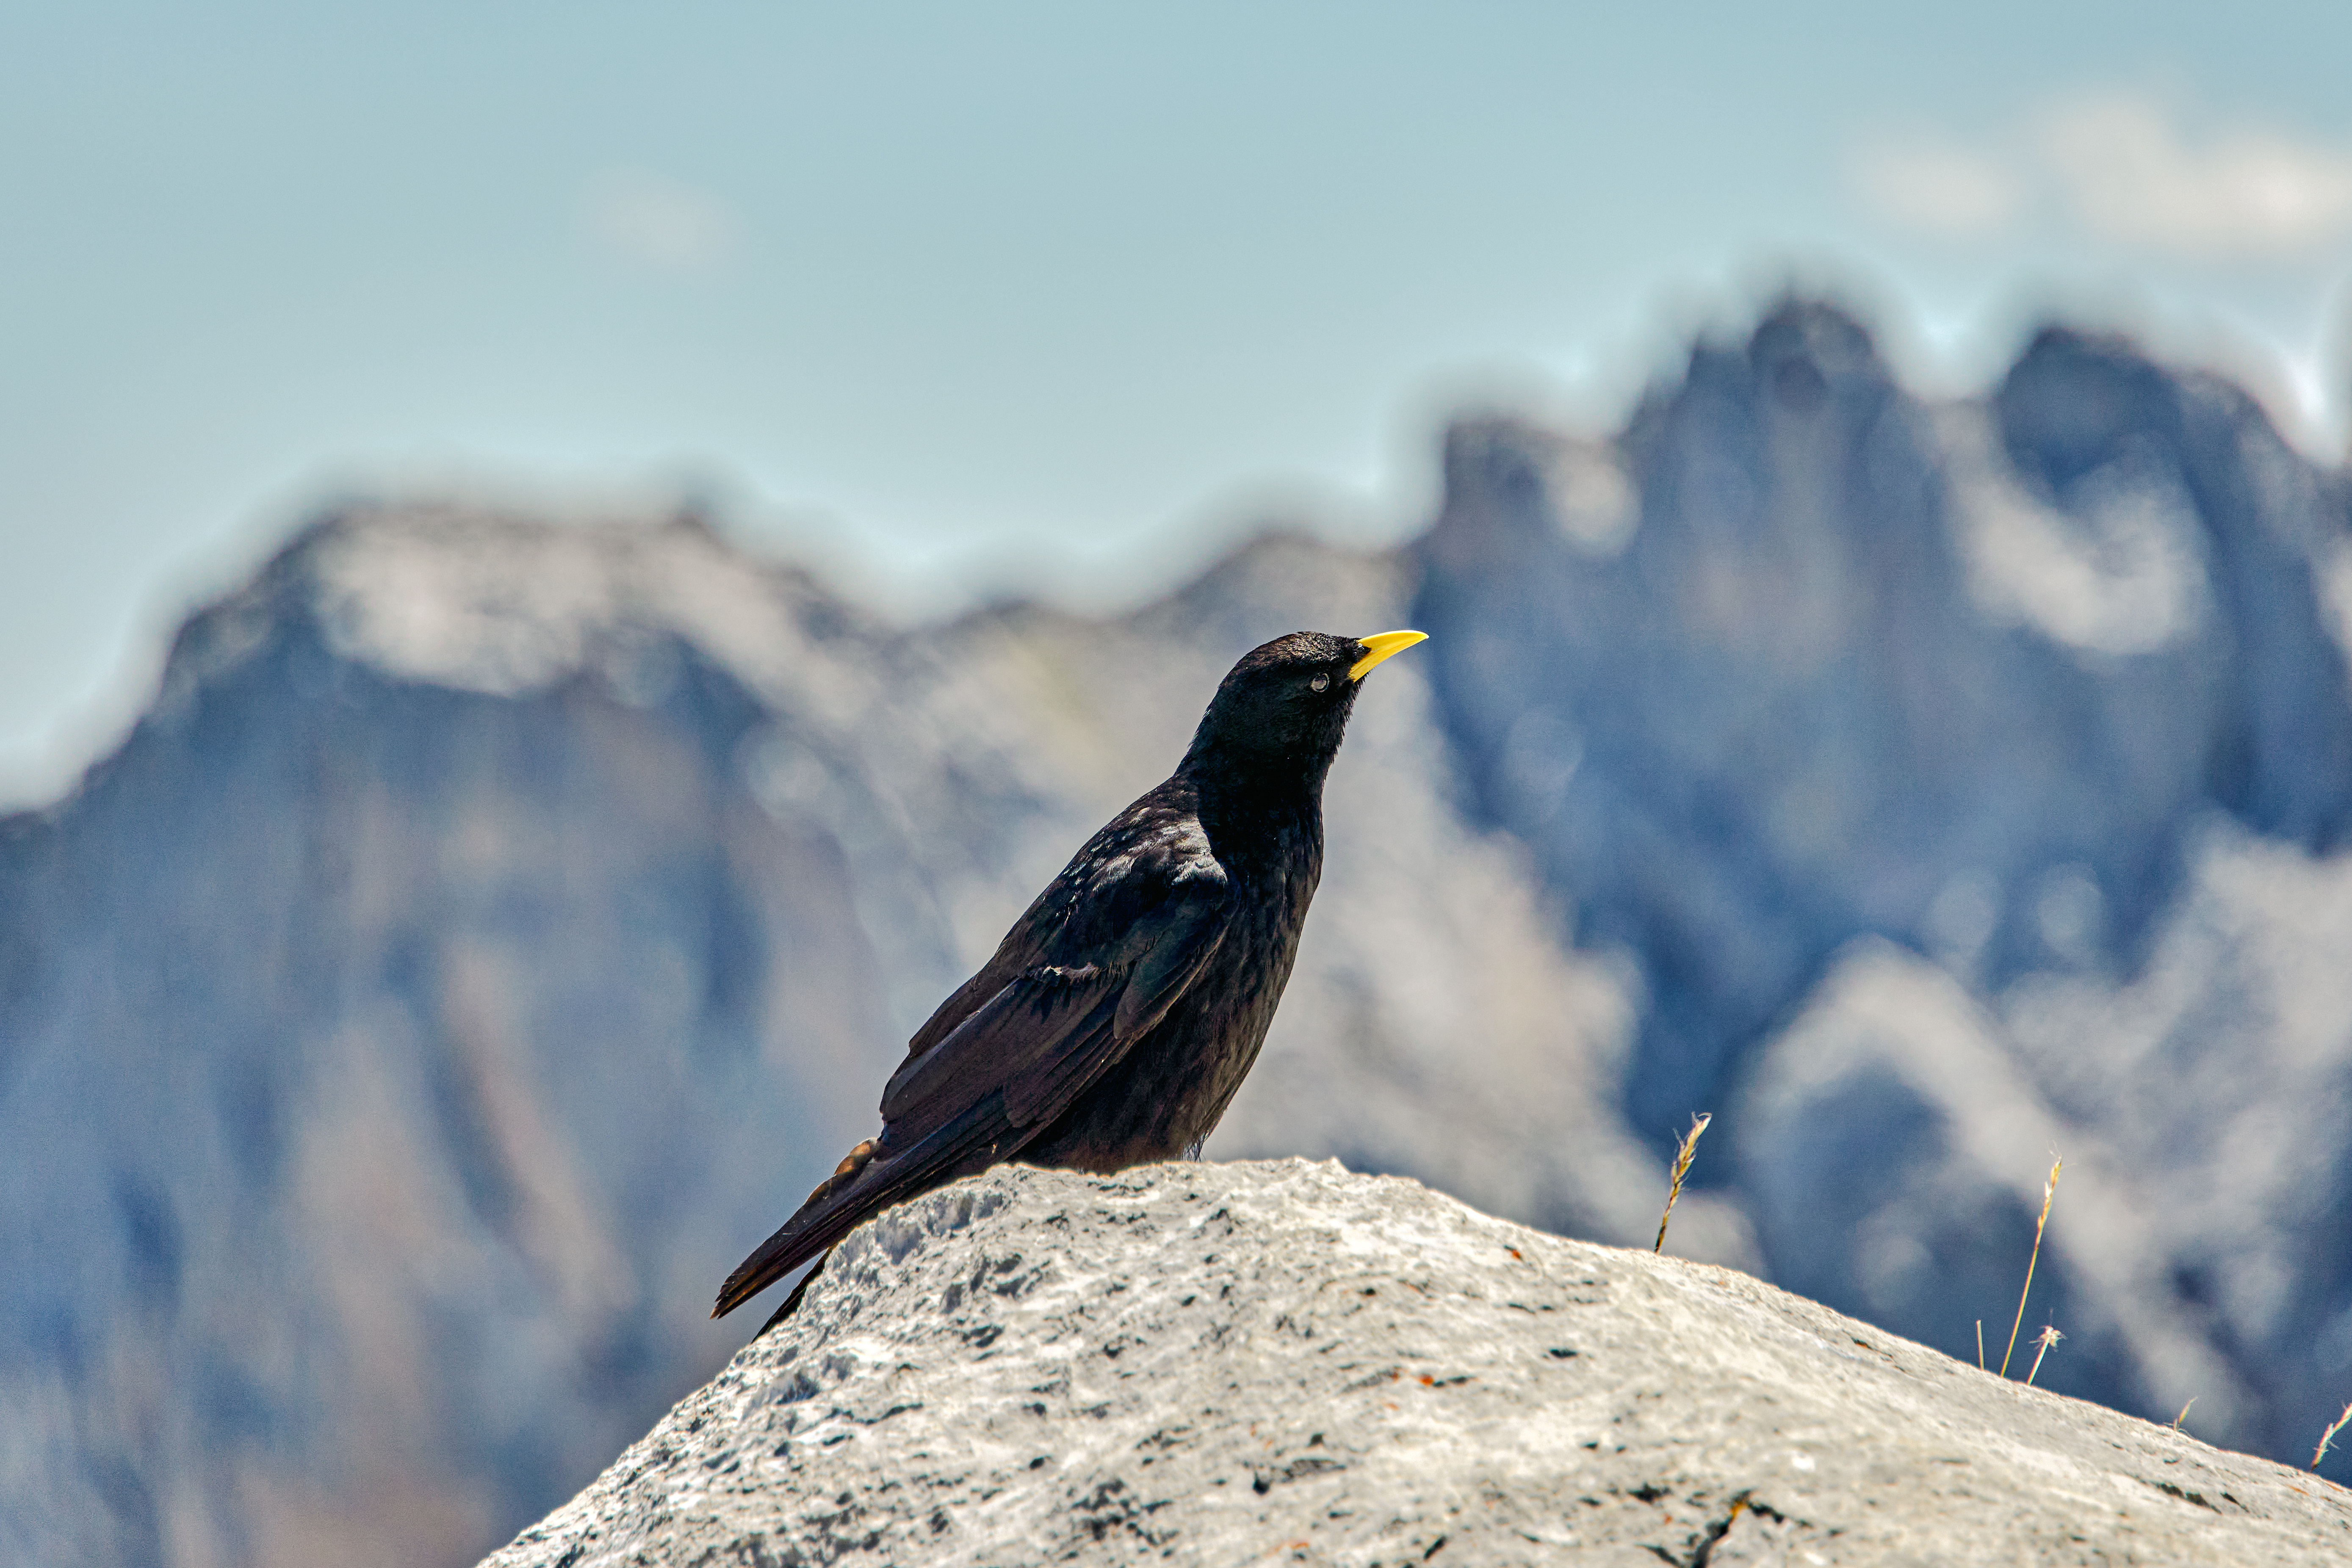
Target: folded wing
[990,1084]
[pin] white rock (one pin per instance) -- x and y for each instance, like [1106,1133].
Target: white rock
[1282,1361]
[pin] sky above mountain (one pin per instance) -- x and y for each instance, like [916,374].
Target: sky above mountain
[1061,296]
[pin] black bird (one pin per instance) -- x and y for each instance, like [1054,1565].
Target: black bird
[1124,1005]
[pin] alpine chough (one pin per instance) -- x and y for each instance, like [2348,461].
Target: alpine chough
[1124,1005]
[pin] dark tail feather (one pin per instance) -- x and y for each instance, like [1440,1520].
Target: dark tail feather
[863,1185]
[793,1303]
[808,1234]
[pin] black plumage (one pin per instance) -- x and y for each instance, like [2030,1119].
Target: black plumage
[1124,1005]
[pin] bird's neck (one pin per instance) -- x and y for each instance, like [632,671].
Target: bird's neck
[1263,820]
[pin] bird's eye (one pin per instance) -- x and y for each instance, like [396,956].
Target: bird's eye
[1321,683]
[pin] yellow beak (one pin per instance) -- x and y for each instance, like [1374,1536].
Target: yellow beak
[1380,645]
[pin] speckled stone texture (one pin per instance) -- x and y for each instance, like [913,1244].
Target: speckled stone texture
[1284,1361]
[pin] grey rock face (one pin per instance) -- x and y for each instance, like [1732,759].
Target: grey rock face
[386,1019]
[1282,1361]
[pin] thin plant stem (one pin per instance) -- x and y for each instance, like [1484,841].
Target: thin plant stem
[2049,1190]
[1682,1168]
[2184,1413]
[2050,1336]
[1980,1344]
[2329,1437]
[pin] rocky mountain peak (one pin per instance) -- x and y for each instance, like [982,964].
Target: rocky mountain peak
[1211,1363]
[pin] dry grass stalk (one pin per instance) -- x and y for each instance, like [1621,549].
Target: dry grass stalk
[1682,1157]
[2184,1413]
[1980,1344]
[2050,1336]
[2049,1190]
[2329,1437]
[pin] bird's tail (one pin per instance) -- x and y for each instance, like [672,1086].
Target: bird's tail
[832,1211]
[871,1178]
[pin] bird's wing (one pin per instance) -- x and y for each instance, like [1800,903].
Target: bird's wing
[1009,1066]
[1053,1030]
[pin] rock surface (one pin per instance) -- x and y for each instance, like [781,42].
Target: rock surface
[1282,1361]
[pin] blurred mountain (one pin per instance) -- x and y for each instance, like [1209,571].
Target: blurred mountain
[1965,782]
[495,925]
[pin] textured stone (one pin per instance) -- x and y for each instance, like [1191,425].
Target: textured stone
[1285,1361]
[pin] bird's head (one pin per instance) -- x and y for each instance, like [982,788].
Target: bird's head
[1285,704]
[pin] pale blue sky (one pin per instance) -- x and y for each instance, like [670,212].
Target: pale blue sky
[962,296]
